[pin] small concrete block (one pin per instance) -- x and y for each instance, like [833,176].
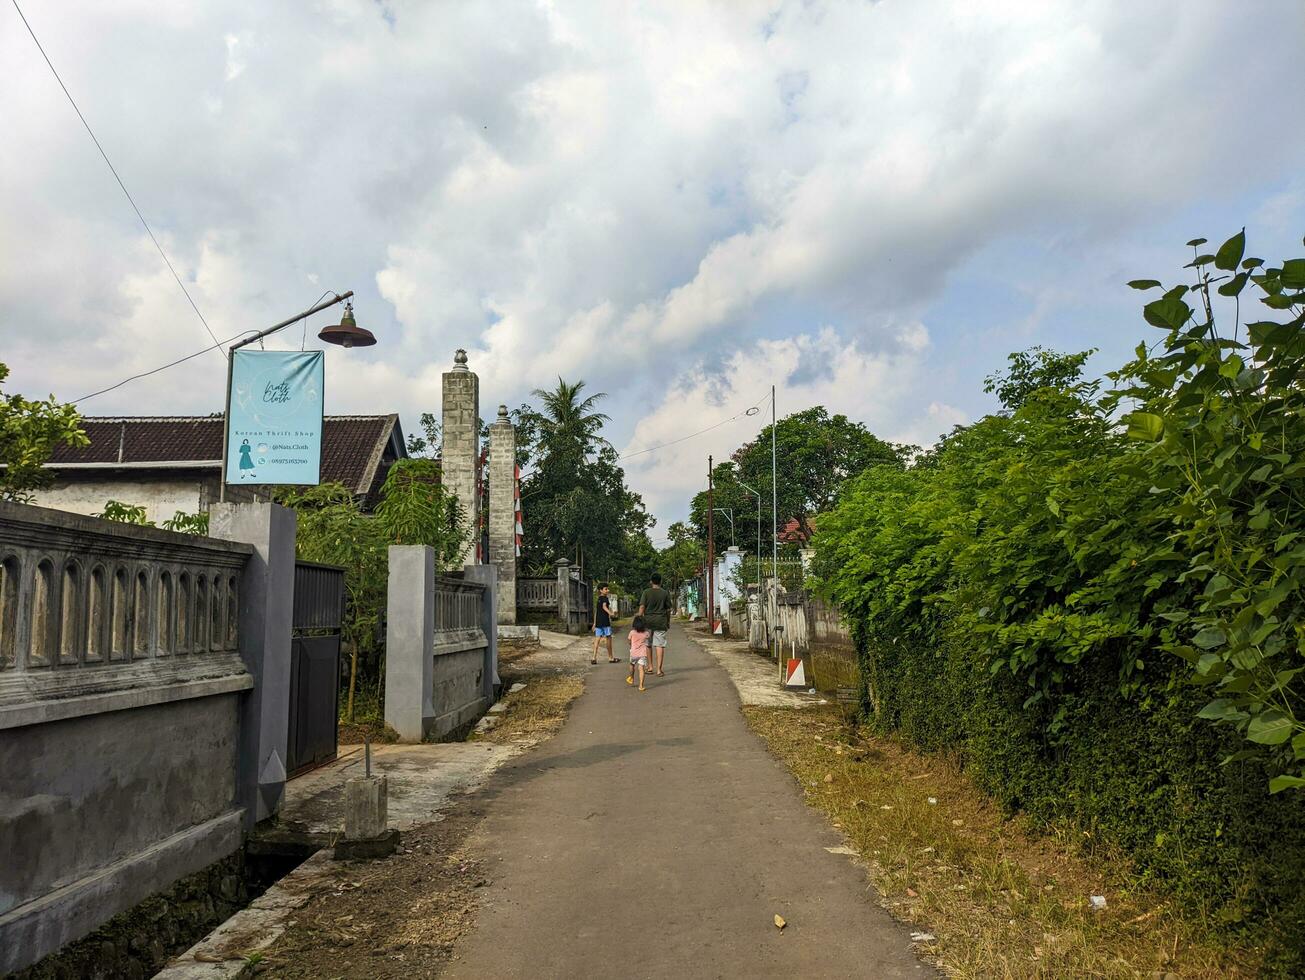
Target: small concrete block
[516,687]
[486,723]
[367,850]
[364,807]
[498,708]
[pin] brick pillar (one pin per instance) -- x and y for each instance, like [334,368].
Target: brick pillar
[502,513]
[461,454]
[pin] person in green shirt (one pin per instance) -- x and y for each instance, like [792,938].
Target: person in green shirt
[655,607]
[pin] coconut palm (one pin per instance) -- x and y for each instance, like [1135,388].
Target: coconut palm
[566,414]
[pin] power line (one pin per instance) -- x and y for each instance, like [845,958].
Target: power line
[114,171]
[164,367]
[692,435]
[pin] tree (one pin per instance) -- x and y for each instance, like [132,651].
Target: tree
[815,454]
[30,431]
[682,559]
[576,503]
[430,442]
[414,509]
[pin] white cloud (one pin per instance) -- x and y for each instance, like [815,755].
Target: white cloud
[808,369]
[607,191]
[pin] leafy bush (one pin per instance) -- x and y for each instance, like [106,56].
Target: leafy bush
[1054,591]
[414,508]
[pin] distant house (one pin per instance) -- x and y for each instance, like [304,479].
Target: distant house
[173,463]
[796,532]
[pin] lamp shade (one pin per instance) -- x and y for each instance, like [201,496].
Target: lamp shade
[347,333]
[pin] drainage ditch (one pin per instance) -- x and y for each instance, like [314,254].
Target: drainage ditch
[139,942]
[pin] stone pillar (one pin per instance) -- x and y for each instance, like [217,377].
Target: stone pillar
[487,575]
[502,513]
[460,458]
[409,639]
[266,610]
[564,593]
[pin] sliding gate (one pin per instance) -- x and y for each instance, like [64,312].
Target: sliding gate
[315,666]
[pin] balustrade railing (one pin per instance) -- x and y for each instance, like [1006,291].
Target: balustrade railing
[77,592]
[537,593]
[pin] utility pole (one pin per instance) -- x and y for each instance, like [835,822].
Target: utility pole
[774,521]
[711,552]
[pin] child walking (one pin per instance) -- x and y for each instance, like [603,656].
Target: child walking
[639,636]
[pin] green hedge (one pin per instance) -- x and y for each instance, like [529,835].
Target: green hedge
[1134,770]
[1097,598]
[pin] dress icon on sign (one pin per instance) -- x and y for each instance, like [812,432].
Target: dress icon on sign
[245,462]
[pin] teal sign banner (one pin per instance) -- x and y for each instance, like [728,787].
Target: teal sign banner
[274,409]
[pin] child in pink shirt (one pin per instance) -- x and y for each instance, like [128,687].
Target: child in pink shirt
[639,637]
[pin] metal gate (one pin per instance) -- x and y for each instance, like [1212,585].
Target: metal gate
[314,666]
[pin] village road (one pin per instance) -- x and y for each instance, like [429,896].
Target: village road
[656,837]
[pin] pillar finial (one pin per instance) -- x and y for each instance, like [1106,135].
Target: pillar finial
[502,413]
[460,360]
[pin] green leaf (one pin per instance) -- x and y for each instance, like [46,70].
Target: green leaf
[1217,710]
[1144,283]
[1278,783]
[1203,259]
[1146,427]
[1210,638]
[1168,313]
[1196,241]
[1293,274]
[1235,285]
[1252,263]
[1279,301]
[1270,727]
[1230,252]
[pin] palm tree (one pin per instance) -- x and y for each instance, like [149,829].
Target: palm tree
[566,414]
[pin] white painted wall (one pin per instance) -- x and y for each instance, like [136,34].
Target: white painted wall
[161,498]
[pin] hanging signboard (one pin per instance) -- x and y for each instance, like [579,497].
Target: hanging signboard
[274,413]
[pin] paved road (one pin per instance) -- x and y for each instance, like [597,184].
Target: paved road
[656,837]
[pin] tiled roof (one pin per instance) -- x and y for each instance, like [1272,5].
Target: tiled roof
[352,445]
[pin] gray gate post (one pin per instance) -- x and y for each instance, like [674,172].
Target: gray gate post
[266,614]
[564,593]
[409,639]
[487,575]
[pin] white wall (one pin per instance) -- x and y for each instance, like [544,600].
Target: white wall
[161,498]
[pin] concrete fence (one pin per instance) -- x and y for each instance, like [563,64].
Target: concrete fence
[564,595]
[808,627]
[135,741]
[441,653]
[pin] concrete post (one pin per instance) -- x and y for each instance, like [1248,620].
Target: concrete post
[460,457]
[725,590]
[564,593]
[266,609]
[409,636]
[487,575]
[502,513]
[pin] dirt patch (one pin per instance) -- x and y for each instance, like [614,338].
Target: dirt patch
[990,897]
[398,917]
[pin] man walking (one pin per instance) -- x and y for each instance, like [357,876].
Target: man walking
[655,608]
[603,624]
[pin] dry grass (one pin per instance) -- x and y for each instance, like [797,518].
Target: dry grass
[1001,900]
[536,712]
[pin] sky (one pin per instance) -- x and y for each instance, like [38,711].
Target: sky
[866,205]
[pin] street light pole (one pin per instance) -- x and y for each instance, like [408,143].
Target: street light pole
[774,520]
[728,512]
[347,334]
[756,494]
[711,552]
